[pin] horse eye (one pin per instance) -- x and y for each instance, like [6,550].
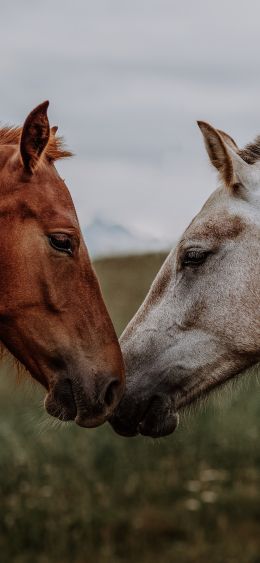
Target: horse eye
[61,242]
[195,257]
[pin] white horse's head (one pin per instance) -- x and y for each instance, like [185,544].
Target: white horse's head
[199,325]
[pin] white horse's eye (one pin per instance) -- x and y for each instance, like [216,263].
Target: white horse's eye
[195,257]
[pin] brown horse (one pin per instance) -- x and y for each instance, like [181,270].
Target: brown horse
[52,315]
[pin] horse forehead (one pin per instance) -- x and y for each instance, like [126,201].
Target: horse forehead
[48,194]
[220,226]
[220,218]
[46,214]
[45,198]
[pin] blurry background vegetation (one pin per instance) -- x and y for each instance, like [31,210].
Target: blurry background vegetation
[74,495]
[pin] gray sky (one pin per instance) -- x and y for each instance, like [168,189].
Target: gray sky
[126,82]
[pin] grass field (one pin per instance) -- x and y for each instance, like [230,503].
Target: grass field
[73,495]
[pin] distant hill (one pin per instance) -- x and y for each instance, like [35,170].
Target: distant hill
[108,239]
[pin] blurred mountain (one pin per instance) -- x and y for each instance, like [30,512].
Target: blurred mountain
[108,239]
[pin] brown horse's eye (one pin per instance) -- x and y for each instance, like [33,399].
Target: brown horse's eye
[61,242]
[195,257]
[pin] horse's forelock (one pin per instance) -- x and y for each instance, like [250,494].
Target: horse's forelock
[55,149]
[251,152]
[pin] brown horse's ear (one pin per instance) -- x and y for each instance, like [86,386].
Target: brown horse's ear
[35,136]
[218,152]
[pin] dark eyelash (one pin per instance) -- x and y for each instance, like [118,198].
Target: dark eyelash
[195,257]
[61,242]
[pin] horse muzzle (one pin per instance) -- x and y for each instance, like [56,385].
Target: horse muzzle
[90,406]
[156,417]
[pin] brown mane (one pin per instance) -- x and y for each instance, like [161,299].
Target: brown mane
[55,148]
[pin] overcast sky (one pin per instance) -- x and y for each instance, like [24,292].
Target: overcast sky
[127,80]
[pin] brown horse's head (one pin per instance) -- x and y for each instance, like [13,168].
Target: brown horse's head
[52,315]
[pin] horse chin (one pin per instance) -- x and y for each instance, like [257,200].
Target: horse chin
[160,419]
[58,409]
[159,430]
[61,400]
[86,422]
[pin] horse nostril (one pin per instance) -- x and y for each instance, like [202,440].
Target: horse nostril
[111,392]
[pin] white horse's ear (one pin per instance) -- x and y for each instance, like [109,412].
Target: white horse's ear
[222,151]
[228,140]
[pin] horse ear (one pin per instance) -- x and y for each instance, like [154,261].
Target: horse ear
[35,136]
[228,140]
[223,153]
[217,152]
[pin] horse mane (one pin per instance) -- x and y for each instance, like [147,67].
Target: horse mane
[251,152]
[55,149]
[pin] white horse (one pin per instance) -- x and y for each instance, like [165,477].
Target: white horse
[199,325]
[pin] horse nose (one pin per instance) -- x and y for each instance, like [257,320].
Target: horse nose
[88,405]
[112,394]
[108,391]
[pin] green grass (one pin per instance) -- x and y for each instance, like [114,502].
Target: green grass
[125,282]
[73,495]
